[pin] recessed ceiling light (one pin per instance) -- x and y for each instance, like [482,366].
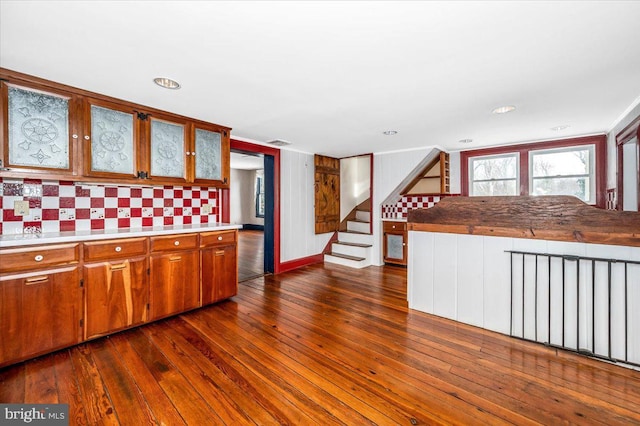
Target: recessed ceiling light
[503,109]
[561,127]
[167,83]
[390,132]
[465,140]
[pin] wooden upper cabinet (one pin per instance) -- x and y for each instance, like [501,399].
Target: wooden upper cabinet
[209,159]
[39,130]
[62,132]
[111,140]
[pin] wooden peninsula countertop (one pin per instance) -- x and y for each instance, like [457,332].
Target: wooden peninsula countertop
[556,218]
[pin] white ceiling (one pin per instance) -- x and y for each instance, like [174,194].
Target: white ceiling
[244,161]
[330,77]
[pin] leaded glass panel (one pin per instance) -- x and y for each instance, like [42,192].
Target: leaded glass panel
[112,145]
[38,129]
[208,155]
[167,149]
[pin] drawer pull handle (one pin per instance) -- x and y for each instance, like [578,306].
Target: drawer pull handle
[39,258]
[36,280]
[220,253]
[175,259]
[220,238]
[118,267]
[118,249]
[176,243]
[393,226]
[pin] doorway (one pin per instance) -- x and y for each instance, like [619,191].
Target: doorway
[252,201]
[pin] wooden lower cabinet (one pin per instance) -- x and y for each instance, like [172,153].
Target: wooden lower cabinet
[116,295]
[218,266]
[40,312]
[175,285]
[394,242]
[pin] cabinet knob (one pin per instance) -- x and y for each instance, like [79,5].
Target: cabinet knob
[38,258]
[188,153]
[176,243]
[220,238]
[86,137]
[74,136]
[393,226]
[118,249]
[193,154]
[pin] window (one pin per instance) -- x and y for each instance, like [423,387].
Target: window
[563,171]
[259,196]
[574,166]
[494,175]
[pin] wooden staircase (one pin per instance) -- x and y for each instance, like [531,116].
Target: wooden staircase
[353,247]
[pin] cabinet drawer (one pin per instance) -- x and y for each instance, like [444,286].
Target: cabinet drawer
[390,226]
[112,249]
[217,238]
[18,259]
[174,242]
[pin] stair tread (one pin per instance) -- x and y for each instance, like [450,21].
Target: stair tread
[358,220]
[346,256]
[346,243]
[356,232]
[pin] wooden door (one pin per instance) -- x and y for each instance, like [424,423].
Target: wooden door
[327,194]
[117,294]
[39,312]
[219,273]
[175,285]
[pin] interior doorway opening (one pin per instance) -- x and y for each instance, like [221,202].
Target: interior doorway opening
[252,201]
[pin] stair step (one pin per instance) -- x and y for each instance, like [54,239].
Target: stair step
[356,232]
[363,215]
[359,220]
[346,256]
[346,243]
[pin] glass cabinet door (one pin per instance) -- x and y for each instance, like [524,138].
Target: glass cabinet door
[208,155]
[112,141]
[168,149]
[38,130]
[395,246]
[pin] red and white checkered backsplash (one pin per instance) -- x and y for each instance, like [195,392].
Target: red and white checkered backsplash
[67,206]
[411,202]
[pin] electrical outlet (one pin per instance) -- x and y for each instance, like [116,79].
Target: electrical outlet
[20,208]
[206,209]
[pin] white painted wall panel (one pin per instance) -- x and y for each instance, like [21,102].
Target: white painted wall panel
[496,273]
[242,198]
[420,271]
[297,216]
[445,256]
[470,282]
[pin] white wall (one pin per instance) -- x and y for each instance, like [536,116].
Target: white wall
[355,180]
[389,169]
[454,172]
[297,216]
[242,202]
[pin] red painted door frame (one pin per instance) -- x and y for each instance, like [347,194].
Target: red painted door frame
[261,149]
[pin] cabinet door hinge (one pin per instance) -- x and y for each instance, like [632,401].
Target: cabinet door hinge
[142,116]
[225,181]
[225,132]
[148,271]
[81,283]
[82,323]
[148,306]
[142,175]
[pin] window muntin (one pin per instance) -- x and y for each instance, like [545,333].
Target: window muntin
[260,196]
[563,171]
[494,175]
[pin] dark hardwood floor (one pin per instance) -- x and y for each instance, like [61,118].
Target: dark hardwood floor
[323,345]
[250,254]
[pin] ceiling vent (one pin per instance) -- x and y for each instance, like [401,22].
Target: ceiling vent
[278,142]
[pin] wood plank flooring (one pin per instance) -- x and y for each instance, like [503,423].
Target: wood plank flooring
[250,254]
[323,345]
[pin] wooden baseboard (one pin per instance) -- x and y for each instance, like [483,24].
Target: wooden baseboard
[299,263]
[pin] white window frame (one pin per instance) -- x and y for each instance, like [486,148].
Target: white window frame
[592,167]
[516,157]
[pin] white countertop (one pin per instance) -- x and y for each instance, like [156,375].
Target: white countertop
[401,219]
[106,234]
